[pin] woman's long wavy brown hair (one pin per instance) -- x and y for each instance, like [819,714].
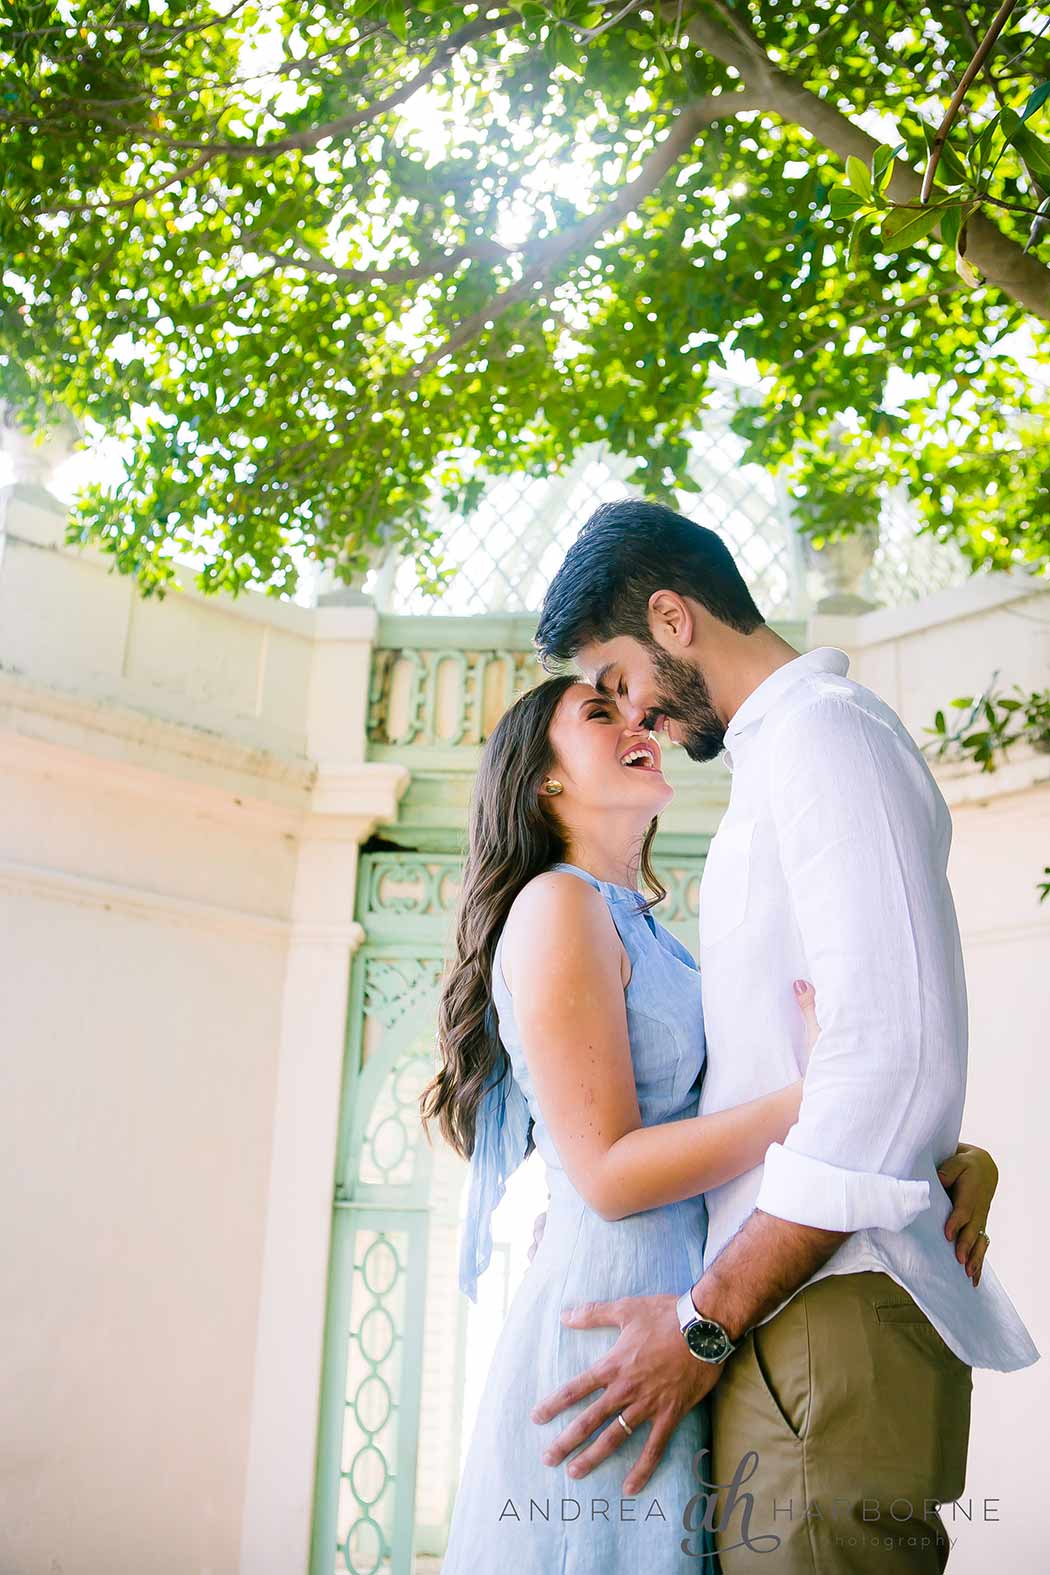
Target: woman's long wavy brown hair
[513,834]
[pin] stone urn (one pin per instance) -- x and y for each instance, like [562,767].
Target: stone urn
[838,571]
[34,458]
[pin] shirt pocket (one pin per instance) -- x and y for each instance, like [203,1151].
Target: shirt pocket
[726,880]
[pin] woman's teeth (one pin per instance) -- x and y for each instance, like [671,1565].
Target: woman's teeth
[637,757]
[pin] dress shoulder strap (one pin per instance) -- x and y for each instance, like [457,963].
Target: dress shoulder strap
[574,869]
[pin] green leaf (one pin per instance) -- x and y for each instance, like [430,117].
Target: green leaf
[856,236]
[561,48]
[1032,149]
[966,271]
[1036,99]
[1042,214]
[843,202]
[951,225]
[858,177]
[397,21]
[980,147]
[905,226]
[882,161]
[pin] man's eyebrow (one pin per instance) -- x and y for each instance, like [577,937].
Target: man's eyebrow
[599,678]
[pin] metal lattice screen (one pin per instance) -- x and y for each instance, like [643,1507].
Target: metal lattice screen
[908,566]
[504,555]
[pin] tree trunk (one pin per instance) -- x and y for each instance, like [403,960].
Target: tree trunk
[1001,260]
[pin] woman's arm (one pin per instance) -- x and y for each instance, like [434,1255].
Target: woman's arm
[565,966]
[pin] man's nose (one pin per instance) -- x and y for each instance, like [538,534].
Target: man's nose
[632,713]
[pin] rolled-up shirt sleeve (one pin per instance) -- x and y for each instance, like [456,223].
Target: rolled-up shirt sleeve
[863,837]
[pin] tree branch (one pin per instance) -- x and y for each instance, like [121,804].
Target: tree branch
[981,54]
[549,253]
[484,251]
[884,309]
[589,34]
[136,196]
[1000,259]
[480,27]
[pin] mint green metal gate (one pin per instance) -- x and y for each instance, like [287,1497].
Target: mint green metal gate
[367,1452]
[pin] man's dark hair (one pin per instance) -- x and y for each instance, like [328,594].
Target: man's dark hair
[625,552]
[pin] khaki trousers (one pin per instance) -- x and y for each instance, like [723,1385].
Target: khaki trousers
[859,1416]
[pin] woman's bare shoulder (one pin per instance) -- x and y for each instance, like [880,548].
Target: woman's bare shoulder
[554,894]
[556,909]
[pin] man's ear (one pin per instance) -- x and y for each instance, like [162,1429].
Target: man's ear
[671,618]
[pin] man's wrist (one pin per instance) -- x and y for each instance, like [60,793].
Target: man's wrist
[705,1337]
[708,1302]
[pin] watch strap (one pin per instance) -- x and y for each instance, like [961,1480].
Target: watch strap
[688,1315]
[687,1312]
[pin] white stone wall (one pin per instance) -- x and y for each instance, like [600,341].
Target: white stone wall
[181,801]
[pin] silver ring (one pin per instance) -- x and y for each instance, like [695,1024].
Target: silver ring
[983,1233]
[626,1426]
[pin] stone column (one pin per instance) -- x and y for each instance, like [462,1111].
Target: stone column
[350,797]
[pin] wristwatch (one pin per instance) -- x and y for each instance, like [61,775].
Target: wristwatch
[706,1338]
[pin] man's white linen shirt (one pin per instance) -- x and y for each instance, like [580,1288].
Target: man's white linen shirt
[831,865]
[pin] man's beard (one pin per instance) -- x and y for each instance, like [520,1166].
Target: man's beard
[683,697]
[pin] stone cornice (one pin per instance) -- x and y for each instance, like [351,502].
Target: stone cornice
[126,750]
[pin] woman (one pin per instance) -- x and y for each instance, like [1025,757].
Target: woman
[571,1018]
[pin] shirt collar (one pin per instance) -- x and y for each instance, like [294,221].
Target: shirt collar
[825,659]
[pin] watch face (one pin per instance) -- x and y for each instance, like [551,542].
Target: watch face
[707,1340]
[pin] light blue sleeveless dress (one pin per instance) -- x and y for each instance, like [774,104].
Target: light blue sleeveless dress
[513,1515]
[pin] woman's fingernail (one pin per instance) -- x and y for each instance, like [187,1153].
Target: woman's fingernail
[800,986]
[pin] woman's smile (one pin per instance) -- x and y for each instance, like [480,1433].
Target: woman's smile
[642,757]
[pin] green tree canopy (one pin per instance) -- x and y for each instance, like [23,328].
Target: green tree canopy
[314,261]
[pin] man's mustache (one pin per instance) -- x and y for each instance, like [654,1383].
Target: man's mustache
[671,713]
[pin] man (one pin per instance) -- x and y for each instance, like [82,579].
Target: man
[833,1327]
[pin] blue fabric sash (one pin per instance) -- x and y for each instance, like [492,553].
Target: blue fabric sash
[501,1142]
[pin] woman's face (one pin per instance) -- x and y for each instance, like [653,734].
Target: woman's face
[602,763]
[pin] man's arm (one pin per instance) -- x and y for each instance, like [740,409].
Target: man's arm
[862,845]
[759,1268]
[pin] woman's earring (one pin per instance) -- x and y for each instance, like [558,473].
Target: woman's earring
[552,787]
